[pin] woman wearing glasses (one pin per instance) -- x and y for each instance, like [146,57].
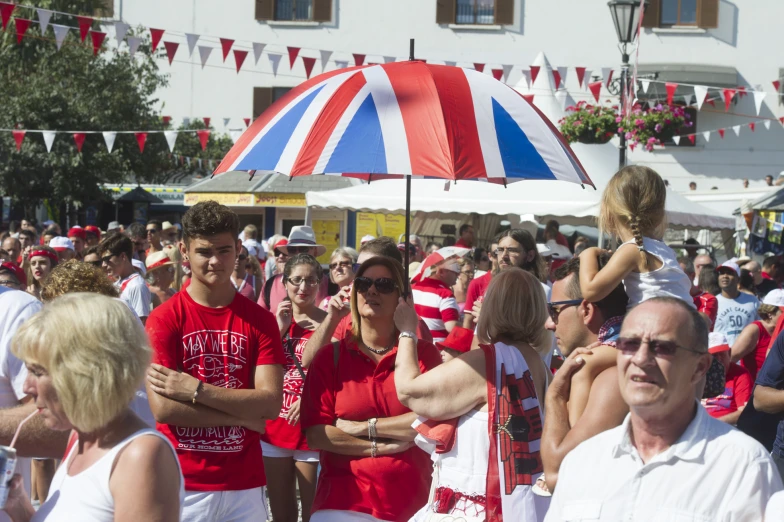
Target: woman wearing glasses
[40,262]
[341,270]
[287,457]
[370,468]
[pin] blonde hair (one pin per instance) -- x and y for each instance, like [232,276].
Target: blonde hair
[514,310]
[250,230]
[95,351]
[766,311]
[75,276]
[395,268]
[634,200]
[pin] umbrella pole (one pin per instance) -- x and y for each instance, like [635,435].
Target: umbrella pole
[408,202]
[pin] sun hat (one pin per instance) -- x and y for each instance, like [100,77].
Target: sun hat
[775,297]
[459,340]
[17,272]
[157,260]
[166,225]
[302,237]
[717,342]
[61,244]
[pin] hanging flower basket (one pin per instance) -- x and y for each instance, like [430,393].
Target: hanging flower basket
[654,126]
[589,123]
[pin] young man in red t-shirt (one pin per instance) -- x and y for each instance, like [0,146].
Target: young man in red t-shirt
[217,375]
[728,406]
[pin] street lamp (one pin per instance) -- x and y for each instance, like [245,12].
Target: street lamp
[626,17]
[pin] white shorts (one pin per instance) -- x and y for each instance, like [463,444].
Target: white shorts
[336,515]
[247,505]
[268,450]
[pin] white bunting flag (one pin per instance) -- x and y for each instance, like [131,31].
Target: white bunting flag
[44,15]
[340,64]
[108,138]
[186,122]
[258,48]
[204,53]
[325,56]
[120,30]
[527,76]
[390,59]
[274,62]
[192,39]
[645,84]
[562,72]
[171,137]
[587,78]
[235,135]
[133,44]
[226,122]
[766,123]
[701,93]
[49,139]
[606,75]
[507,69]
[60,32]
[758,97]
[736,130]
[706,135]
[677,140]
[450,63]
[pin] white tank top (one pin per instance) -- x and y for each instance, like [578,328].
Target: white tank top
[86,496]
[667,281]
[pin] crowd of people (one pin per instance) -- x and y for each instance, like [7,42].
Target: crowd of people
[196,372]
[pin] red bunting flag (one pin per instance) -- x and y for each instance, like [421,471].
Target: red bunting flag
[752,126]
[171,50]
[247,121]
[141,139]
[166,120]
[556,79]
[596,89]
[721,133]
[359,59]
[206,121]
[309,63]
[692,138]
[781,120]
[97,38]
[204,136]
[728,95]
[580,74]
[534,73]
[85,22]
[479,67]
[742,91]
[226,44]
[498,74]
[529,98]
[671,87]
[156,34]
[777,85]
[21,28]
[5,12]
[711,102]
[239,58]
[373,63]
[79,140]
[18,137]
[293,53]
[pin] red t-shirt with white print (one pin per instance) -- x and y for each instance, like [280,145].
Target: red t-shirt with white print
[222,347]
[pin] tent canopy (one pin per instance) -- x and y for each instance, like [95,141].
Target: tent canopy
[773,201]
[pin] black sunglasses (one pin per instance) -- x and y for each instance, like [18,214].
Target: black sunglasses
[105,259]
[294,250]
[630,346]
[557,307]
[279,253]
[384,285]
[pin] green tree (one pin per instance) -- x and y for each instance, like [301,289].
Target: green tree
[189,146]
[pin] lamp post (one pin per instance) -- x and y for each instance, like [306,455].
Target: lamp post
[626,17]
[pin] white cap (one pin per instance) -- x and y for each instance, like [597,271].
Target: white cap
[730,264]
[544,251]
[717,342]
[558,250]
[139,265]
[61,243]
[366,238]
[775,297]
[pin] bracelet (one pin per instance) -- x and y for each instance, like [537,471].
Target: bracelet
[410,335]
[372,428]
[373,448]
[196,393]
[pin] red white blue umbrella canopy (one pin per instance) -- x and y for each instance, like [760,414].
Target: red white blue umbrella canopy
[406,118]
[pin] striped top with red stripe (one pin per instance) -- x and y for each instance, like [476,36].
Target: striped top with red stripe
[436,305]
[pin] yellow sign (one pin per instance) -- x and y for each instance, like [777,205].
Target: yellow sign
[228,199]
[327,234]
[270,199]
[377,225]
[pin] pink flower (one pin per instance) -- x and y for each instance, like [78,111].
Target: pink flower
[651,140]
[658,127]
[628,135]
[618,120]
[577,123]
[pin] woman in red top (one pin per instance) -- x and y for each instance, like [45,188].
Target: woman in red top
[751,346]
[285,450]
[370,468]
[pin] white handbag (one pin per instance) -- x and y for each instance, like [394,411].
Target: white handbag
[444,517]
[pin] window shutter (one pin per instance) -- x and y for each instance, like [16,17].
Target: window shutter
[708,14]
[322,10]
[652,17]
[504,12]
[446,11]
[262,98]
[265,10]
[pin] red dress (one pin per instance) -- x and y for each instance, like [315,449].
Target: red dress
[753,360]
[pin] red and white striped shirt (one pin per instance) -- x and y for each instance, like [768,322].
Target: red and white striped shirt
[435,303]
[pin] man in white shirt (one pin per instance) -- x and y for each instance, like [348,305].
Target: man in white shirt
[116,256]
[736,309]
[669,460]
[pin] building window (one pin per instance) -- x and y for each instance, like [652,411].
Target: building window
[300,10]
[475,12]
[294,10]
[263,97]
[674,13]
[679,12]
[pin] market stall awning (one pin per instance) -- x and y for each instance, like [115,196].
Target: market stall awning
[773,201]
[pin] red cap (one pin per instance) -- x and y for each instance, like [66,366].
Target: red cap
[459,339]
[19,274]
[282,242]
[77,232]
[92,229]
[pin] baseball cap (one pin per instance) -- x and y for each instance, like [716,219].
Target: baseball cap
[366,238]
[544,250]
[113,225]
[61,243]
[92,229]
[775,297]
[79,232]
[18,273]
[729,265]
[717,342]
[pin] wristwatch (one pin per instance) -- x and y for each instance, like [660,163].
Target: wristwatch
[410,335]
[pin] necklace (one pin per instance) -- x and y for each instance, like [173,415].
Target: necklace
[382,351]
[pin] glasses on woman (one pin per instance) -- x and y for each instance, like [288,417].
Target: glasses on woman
[631,345]
[384,285]
[309,281]
[557,307]
[280,253]
[344,264]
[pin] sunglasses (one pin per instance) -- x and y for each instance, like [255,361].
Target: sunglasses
[152,230]
[630,346]
[557,307]
[278,253]
[294,250]
[344,264]
[384,285]
[309,281]
[105,259]
[242,257]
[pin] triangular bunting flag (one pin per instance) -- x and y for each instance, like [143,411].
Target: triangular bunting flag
[48,139]
[141,139]
[507,69]
[171,50]
[120,30]
[596,89]
[534,73]
[21,28]
[741,91]
[529,98]
[766,123]
[98,38]
[692,138]
[204,53]
[752,126]
[79,140]
[671,88]
[562,75]
[239,58]
[226,122]
[156,35]
[325,56]
[258,48]
[781,120]
[580,75]
[677,140]
[587,78]
[192,39]
[341,64]
[247,121]
[527,76]
[274,61]
[133,44]
[5,12]
[226,44]
[389,59]
[759,96]
[498,74]
[166,121]
[206,121]
[728,95]
[607,74]
[556,79]
[309,63]
[721,133]
[60,32]
[736,130]
[204,136]
[632,146]
[18,137]
[706,135]
[700,93]
[235,135]
[359,59]
[171,137]
[645,84]
[479,67]
[85,22]
[777,85]
[293,53]
[44,15]
[108,138]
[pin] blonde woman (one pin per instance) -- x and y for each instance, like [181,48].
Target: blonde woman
[86,355]
[342,265]
[501,385]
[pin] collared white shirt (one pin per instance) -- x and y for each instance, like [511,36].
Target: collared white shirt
[713,473]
